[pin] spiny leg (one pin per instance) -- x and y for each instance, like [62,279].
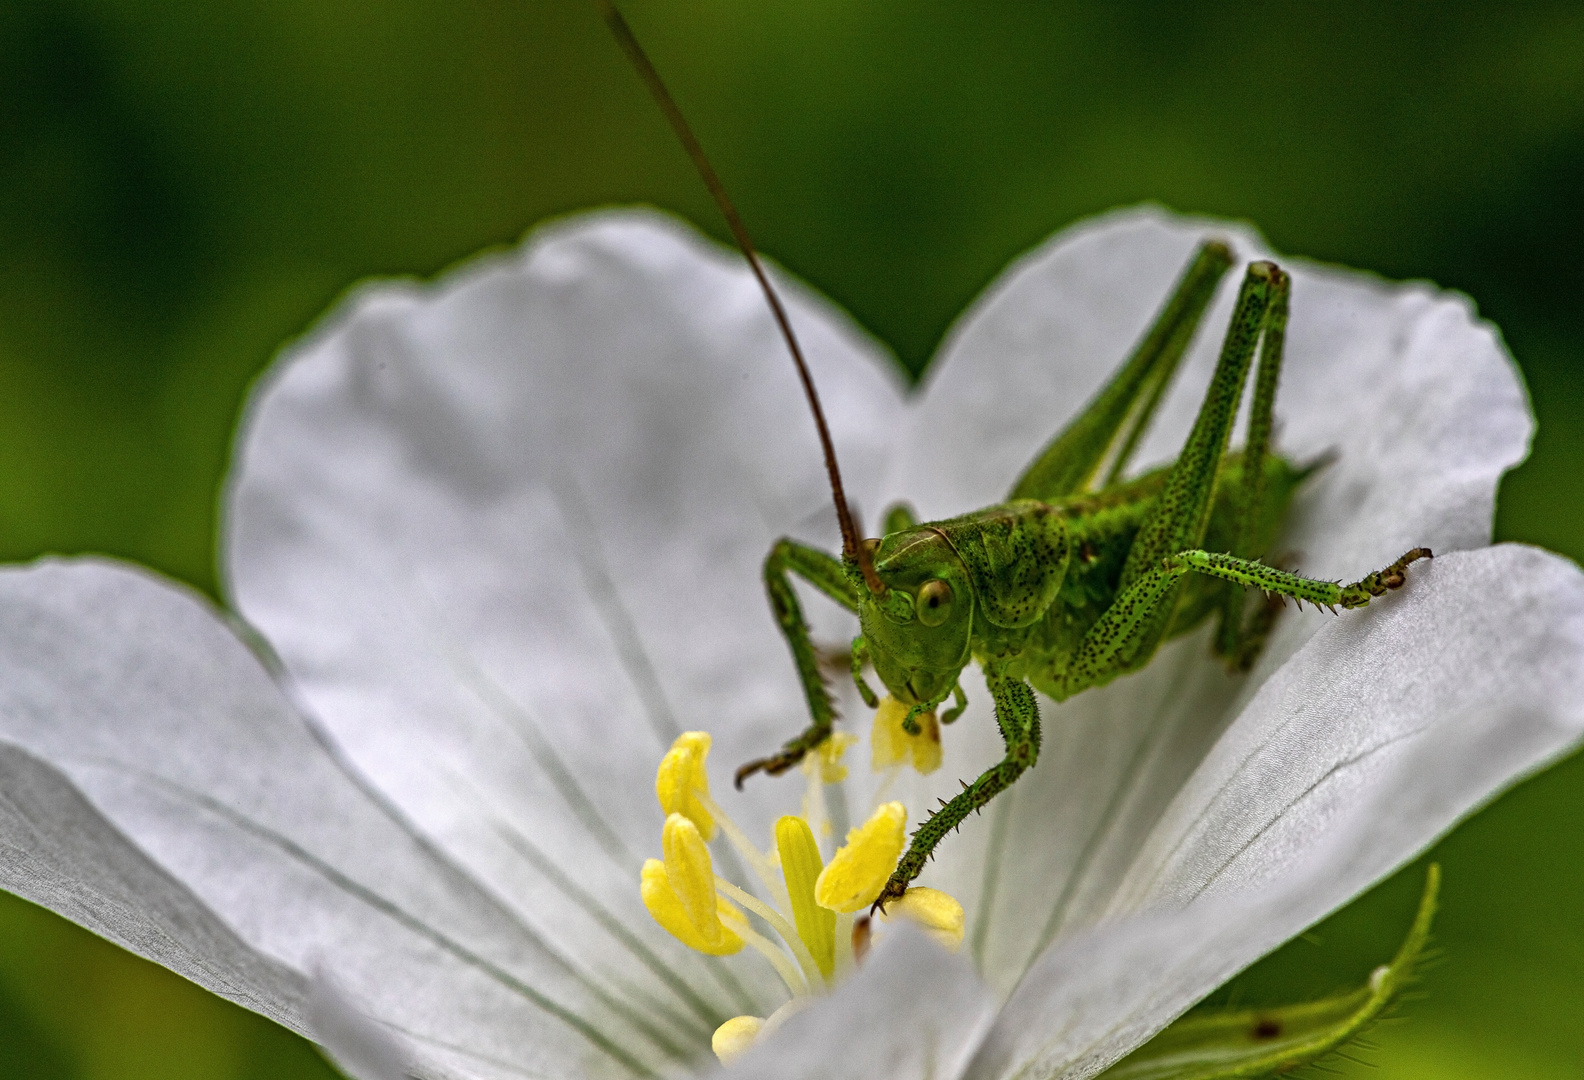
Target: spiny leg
[1017,714]
[1181,513]
[826,573]
[1269,579]
[1128,620]
[1182,509]
[1262,413]
[1258,626]
[1123,408]
[1241,637]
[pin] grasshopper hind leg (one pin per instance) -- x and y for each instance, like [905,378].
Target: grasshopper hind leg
[1242,633]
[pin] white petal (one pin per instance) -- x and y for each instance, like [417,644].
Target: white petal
[1374,740]
[61,853]
[359,1047]
[914,1010]
[1417,397]
[505,533]
[1045,859]
[153,717]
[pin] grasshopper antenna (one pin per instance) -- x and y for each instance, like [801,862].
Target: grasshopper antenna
[852,549]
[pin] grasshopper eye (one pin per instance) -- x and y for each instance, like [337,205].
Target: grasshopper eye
[933,603]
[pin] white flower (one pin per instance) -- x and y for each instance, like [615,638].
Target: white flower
[502,537]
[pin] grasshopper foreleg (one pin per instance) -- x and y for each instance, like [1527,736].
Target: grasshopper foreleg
[959,703]
[826,574]
[1017,714]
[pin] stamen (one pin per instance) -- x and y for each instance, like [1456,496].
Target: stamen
[778,923]
[691,874]
[891,745]
[801,864]
[682,776]
[856,874]
[823,767]
[846,960]
[938,914]
[762,865]
[812,903]
[733,1038]
[829,756]
[742,1032]
[794,979]
[667,910]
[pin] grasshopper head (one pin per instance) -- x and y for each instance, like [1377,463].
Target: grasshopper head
[918,630]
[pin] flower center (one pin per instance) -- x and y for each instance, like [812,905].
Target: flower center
[809,906]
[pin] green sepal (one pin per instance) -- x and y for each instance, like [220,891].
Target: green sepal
[1245,1043]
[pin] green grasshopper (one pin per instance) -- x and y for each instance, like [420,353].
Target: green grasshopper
[1081,574]
[1072,581]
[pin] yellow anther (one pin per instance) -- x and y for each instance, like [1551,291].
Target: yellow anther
[691,873]
[681,773]
[890,744]
[938,914]
[828,758]
[667,910]
[733,1038]
[856,874]
[801,865]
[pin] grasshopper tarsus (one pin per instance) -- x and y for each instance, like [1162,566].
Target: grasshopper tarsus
[892,891]
[789,755]
[1401,566]
[1396,574]
[774,765]
[764,765]
[1381,582]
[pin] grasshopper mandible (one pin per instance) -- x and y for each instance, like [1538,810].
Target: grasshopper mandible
[1083,572]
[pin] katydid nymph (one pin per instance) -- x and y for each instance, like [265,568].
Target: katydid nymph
[1084,571]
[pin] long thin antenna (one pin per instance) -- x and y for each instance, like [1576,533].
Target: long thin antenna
[851,548]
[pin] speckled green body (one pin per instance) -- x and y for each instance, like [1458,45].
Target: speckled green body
[1082,573]
[1098,530]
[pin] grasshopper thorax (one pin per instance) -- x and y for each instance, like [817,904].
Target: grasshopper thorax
[919,629]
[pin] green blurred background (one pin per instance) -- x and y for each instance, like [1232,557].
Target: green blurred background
[185,185]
